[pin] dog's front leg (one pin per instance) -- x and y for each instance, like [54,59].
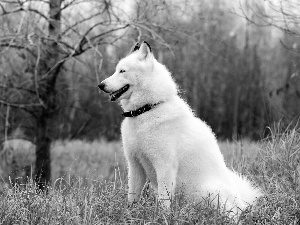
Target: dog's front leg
[136,179]
[166,181]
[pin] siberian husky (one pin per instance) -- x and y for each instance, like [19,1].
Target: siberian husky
[164,142]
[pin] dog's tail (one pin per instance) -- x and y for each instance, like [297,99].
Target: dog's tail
[248,192]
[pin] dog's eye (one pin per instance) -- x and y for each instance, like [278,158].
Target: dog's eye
[122,71]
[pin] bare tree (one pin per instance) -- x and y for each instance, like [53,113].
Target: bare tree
[284,16]
[42,36]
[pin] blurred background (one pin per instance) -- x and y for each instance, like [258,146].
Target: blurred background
[236,63]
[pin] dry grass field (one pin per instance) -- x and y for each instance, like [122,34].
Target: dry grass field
[89,187]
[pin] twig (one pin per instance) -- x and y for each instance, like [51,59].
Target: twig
[19,105]
[18,88]
[6,122]
[36,72]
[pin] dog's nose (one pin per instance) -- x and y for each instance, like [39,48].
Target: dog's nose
[101,86]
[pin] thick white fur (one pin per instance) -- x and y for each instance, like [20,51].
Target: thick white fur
[168,145]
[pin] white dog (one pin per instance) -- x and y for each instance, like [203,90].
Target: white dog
[163,140]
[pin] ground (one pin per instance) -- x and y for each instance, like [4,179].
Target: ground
[89,187]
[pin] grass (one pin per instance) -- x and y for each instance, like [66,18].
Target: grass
[87,161]
[89,187]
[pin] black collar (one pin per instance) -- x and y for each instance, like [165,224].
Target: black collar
[140,111]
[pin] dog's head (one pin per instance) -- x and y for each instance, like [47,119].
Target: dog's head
[138,63]
[139,79]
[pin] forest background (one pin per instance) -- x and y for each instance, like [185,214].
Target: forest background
[237,65]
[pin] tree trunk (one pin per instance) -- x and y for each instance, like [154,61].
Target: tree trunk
[236,113]
[47,94]
[43,159]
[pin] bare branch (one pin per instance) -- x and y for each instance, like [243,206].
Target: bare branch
[19,105]
[278,16]
[36,84]
[93,39]
[5,13]
[71,27]
[6,123]
[17,88]
[3,9]
[38,13]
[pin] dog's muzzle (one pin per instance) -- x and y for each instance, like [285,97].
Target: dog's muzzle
[102,87]
[117,94]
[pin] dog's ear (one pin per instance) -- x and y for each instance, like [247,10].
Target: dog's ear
[135,48]
[144,51]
